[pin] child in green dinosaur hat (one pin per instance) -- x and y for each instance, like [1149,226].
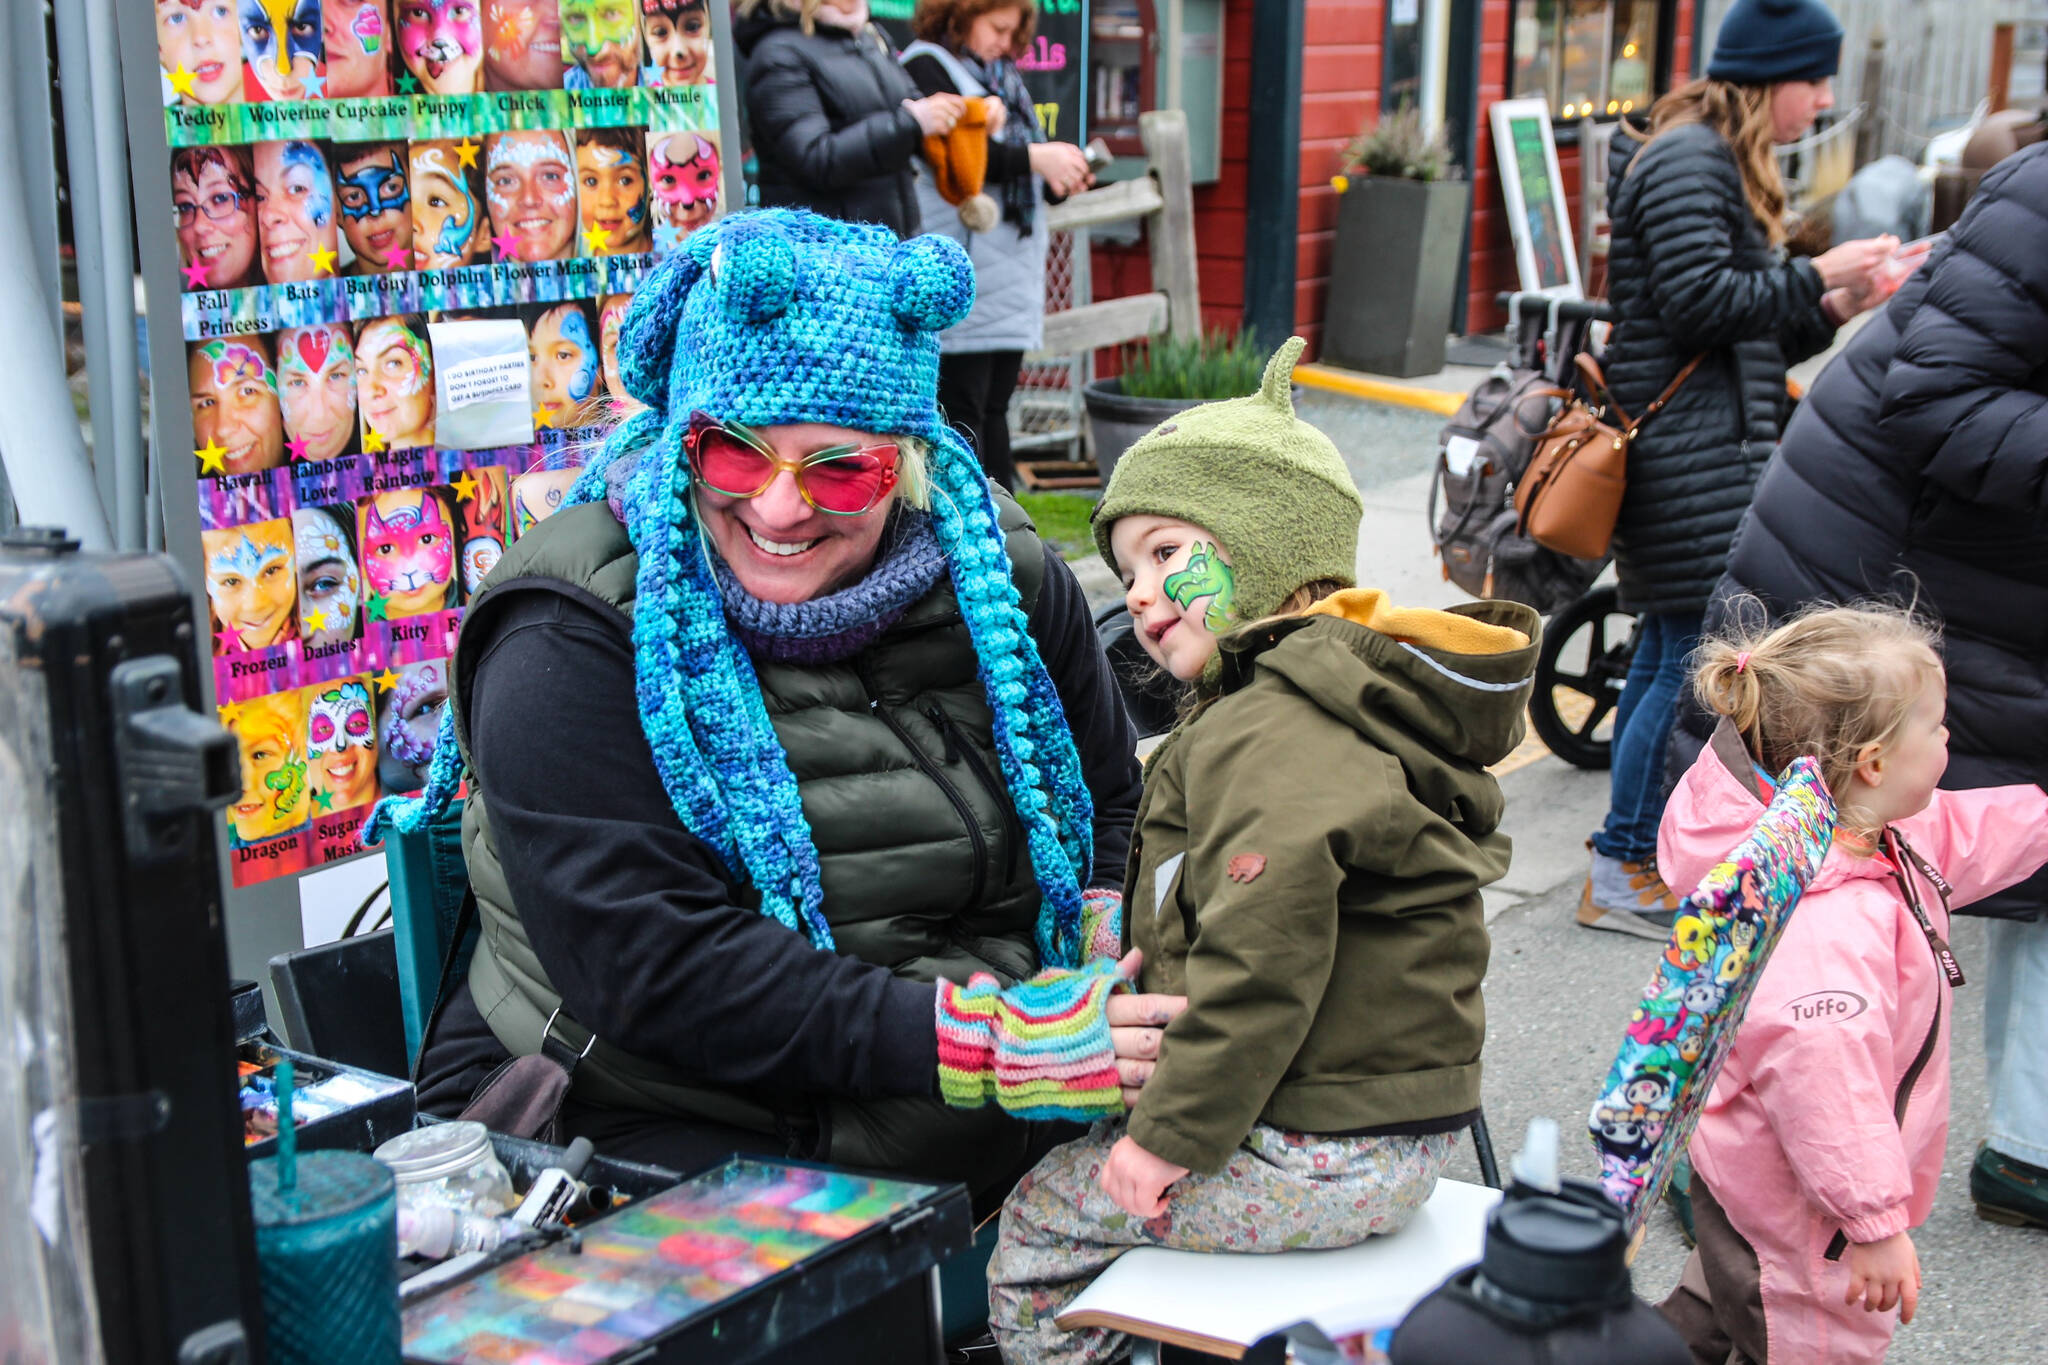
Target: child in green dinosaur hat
[1305,868]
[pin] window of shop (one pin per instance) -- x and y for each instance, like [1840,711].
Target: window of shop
[1590,58]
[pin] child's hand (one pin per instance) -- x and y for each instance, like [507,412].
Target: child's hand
[1881,1274]
[1137,1180]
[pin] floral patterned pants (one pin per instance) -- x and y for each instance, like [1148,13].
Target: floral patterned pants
[1279,1191]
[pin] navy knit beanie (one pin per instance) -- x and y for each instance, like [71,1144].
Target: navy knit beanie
[1762,42]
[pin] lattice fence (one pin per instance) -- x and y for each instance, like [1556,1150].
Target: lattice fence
[1045,413]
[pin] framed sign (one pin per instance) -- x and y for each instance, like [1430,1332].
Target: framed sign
[1538,219]
[387,245]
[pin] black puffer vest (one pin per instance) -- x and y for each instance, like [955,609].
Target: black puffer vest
[921,855]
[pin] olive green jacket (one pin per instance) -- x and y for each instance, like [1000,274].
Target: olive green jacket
[1306,869]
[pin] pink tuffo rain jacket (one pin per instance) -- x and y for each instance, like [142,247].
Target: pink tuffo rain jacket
[1798,1139]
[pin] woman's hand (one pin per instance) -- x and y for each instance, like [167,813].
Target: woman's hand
[1135,1022]
[1138,1180]
[936,114]
[997,114]
[1855,266]
[1063,167]
[1881,1274]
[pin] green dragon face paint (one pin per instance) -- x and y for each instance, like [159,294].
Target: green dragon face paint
[1206,575]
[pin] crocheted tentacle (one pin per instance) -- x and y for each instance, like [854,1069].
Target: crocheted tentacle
[1040,764]
[409,815]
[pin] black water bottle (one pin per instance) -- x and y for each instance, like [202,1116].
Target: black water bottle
[1552,1285]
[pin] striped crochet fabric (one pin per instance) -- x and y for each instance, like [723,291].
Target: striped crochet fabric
[1102,923]
[773,317]
[1041,1049]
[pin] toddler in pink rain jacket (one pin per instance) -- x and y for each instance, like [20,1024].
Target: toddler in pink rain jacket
[1821,1143]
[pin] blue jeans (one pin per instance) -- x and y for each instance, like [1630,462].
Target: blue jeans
[2016,1038]
[1642,726]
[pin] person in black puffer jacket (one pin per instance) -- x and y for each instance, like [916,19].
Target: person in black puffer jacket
[1917,468]
[1698,268]
[834,119]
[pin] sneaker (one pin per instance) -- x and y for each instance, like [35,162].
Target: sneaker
[2008,1190]
[1627,898]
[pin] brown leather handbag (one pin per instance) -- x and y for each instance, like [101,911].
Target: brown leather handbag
[1569,496]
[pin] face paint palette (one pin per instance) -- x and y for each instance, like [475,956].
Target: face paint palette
[333,1106]
[748,1253]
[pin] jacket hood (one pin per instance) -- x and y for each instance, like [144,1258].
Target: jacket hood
[1446,687]
[748,32]
[1715,806]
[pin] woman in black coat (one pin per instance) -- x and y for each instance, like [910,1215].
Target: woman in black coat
[1698,269]
[1917,468]
[833,118]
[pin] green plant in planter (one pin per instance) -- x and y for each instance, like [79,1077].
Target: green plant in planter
[1396,146]
[1217,364]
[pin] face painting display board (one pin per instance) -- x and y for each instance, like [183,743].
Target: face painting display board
[326,190]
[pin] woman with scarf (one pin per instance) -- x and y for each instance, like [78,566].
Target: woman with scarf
[970,48]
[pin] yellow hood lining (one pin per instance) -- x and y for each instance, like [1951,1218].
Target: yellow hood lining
[1424,626]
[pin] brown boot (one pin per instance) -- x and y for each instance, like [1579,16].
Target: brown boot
[1627,898]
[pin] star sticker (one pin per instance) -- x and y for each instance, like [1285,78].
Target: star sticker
[506,243]
[323,258]
[195,275]
[396,256]
[376,609]
[229,641]
[316,621]
[211,457]
[297,446]
[465,487]
[543,416]
[407,85]
[316,87]
[467,150]
[181,81]
[385,681]
[231,714]
[667,237]
[372,441]
[323,799]
[597,239]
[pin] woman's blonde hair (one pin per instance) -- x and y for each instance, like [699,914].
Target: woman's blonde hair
[805,12]
[1827,684]
[1741,114]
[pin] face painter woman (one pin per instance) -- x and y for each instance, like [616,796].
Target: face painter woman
[795,768]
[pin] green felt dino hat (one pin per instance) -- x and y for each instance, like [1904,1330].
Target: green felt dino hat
[1271,488]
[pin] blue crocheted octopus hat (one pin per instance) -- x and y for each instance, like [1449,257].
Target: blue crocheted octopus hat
[781,316]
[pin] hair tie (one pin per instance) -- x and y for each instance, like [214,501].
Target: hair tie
[1742,661]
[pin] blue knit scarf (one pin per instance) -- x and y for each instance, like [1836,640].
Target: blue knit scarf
[838,625]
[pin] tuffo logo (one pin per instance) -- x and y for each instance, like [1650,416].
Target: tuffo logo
[1829,1006]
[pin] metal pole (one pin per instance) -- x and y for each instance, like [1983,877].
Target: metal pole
[28,55]
[97,154]
[731,136]
[1273,179]
[40,444]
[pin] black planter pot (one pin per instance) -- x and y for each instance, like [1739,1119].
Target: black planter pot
[1118,420]
[1394,274]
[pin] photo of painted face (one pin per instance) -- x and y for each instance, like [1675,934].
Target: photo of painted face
[602,38]
[213,196]
[271,733]
[409,719]
[356,35]
[295,212]
[330,583]
[316,388]
[395,382]
[611,191]
[684,170]
[199,48]
[341,745]
[562,343]
[611,316]
[530,181]
[538,496]
[251,585]
[375,199]
[483,504]
[407,541]
[522,45]
[442,44]
[447,207]
[235,414]
[281,48]
[678,41]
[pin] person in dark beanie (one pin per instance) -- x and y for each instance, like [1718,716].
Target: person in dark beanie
[1699,269]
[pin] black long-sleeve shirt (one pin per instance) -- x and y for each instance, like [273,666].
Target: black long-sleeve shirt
[632,913]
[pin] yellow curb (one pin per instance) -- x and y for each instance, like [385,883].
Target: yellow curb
[1378,390]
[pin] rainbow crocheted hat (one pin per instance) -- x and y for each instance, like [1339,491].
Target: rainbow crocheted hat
[782,316]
